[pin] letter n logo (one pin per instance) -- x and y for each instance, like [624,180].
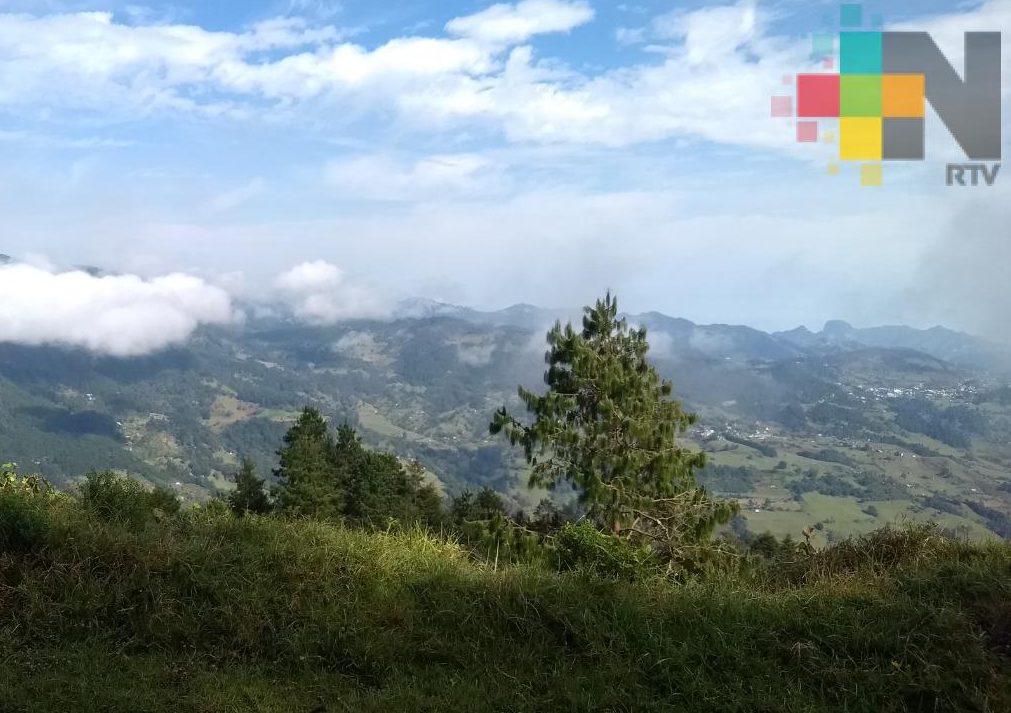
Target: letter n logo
[969,106]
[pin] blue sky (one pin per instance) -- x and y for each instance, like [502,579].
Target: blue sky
[538,151]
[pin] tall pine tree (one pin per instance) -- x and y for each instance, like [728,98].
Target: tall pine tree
[607,425]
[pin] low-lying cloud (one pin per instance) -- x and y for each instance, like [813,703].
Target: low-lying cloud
[320,293]
[117,315]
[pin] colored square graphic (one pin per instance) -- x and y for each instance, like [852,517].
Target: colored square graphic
[903,139]
[860,139]
[871,174]
[807,132]
[881,116]
[782,107]
[902,95]
[817,95]
[822,45]
[860,52]
[851,15]
[860,95]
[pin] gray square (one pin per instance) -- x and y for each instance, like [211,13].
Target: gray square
[903,139]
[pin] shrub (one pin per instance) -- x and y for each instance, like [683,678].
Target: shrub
[123,500]
[883,550]
[581,546]
[24,523]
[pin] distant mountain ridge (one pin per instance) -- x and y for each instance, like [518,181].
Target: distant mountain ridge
[940,342]
[740,341]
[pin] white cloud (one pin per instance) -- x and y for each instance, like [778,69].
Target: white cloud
[321,293]
[88,60]
[315,8]
[718,68]
[35,139]
[512,24]
[231,199]
[386,178]
[363,347]
[661,345]
[310,277]
[475,354]
[704,87]
[120,315]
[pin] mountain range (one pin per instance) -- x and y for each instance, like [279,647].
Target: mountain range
[844,428]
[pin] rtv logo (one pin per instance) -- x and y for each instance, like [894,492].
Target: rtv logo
[879,98]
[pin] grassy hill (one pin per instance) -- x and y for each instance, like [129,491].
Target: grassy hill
[203,611]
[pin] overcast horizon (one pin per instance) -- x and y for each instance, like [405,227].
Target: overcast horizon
[339,157]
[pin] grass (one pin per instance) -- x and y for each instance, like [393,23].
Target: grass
[206,612]
[227,411]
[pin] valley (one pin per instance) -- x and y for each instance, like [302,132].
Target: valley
[842,431]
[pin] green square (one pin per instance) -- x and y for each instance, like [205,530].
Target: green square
[860,53]
[860,95]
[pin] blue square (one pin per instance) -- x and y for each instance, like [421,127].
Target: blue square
[860,53]
[822,45]
[851,15]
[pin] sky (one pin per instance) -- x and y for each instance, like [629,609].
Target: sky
[336,157]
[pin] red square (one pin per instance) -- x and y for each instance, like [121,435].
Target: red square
[807,132]
[818,95]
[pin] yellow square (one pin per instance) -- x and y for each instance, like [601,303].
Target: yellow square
[871,174]
[828,137]
[860,139]
[833,169]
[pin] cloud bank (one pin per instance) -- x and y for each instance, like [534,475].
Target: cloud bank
[320,293]
[118,315]
[128,315]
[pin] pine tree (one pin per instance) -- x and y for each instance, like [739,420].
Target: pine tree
[607,424]
[484,505]
[249,495]
[324,476]
[426,505]
[547,517]
[308,468]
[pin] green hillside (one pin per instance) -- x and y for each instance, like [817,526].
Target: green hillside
[203,611]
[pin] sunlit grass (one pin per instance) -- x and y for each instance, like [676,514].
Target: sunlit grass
[207,612]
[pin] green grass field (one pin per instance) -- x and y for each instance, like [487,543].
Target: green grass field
[206,612]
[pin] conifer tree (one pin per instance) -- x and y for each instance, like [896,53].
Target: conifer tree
[426,506]
[607,425]
[307,470]
[249,495]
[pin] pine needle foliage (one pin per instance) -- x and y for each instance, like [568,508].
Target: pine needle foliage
[608,425]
